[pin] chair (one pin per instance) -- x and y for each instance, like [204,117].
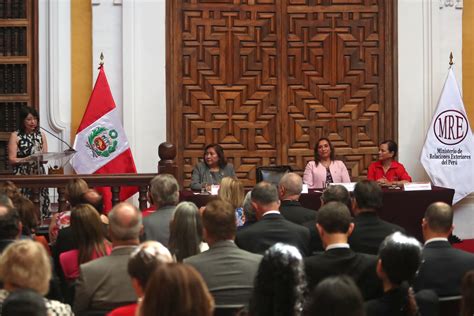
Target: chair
[227,310]
[272,174]
[449,305]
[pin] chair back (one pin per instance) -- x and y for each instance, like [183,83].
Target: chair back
[449,305]
[272,174]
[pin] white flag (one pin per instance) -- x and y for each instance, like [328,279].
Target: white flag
[447,155]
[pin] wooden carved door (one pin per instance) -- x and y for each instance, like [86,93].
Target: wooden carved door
[267,78]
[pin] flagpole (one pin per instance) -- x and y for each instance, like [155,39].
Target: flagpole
[451,63]
[101,63]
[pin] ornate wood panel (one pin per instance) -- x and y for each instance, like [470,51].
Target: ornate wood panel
[18,65]
[267,78]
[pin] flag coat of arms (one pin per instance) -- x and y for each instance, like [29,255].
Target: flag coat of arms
[447,155]
[100,142]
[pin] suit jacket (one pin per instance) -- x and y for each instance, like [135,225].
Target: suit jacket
[228,271]
[104,283]
[271,229]
[389,303]
[338,261]
[294,212]
[157,225]
[442,268]
[315,243]
[370,231]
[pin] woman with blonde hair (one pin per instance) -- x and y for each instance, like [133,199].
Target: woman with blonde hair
[24,264]
[176,289]
[232,191]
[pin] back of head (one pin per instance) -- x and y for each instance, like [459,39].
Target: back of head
[265,193]
[334,217]
[177,289]
[125,222]
[5,200]
[24,302]
[400,257]
[88,230]
[164,190]
[439,217]
[249,211]
[93,198]
[336,296]
[24,264]
[292,183]
[336,193]
[280,282]
[185,231]
[74,190]
[219,220]
[368,195]
[10,190]
[231,190]
[9,222]
[145,259]
[28,215]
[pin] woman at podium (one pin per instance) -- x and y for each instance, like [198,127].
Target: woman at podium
[212,169]
[28,140]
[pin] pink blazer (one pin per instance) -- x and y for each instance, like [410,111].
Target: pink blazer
[314,176]
[69,264]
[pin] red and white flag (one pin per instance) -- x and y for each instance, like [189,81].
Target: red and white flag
[101,144]
[448,153]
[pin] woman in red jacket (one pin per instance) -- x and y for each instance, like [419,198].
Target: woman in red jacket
[387,171]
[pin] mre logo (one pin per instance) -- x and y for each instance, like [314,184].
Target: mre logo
[451,127]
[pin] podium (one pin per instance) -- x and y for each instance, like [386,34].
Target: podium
[55,160]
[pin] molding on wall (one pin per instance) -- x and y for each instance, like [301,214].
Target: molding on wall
[55,67]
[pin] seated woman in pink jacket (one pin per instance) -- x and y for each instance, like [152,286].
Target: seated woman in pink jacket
[324,169]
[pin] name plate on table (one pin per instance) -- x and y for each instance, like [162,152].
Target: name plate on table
[349,186]
[304,190]
[417,186]
[214,189]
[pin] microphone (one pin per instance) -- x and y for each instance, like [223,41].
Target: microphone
[70,149]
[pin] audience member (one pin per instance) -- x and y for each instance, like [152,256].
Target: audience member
[94,198]
[5,200]
[227,270]
[271,227]
[443,266]
[249,212]
[88,230]
[289,191]
[369,230]
[176,289]
[335,225]
[164,193]
[24,264]
[103,283]
[143,261]
[24,302]
[186,232]
[399,259]
[232,191]
[333,193]
[10,190]
[74,189]
[10,225]
[336,296]
[467,292]
[280,285]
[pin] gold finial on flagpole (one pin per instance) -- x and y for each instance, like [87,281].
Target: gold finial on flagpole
[101,63]
[451,59]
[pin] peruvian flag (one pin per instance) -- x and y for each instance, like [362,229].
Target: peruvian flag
[101,144]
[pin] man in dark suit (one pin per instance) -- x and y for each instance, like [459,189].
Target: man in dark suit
[228,271]
[334,224]
[443,266]
[271,227]
[164,194]
[333,193]
[289,190]
[103,283]
[369,230]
